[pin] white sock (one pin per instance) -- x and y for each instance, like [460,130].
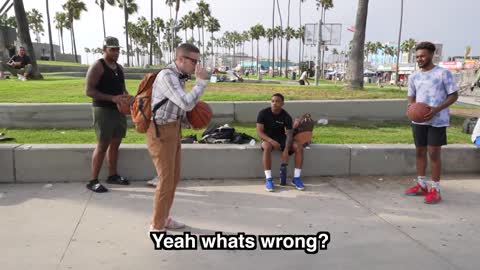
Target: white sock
[436,185]
[422,181]
[268,174]
[297,172]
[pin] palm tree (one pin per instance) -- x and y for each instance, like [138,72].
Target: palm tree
[101,4]
[270,35]
[52,55]
[129,7]
[397,78]
[23,35]
[203,12]
[355,67]
[159,25]
[325,5]
[300,43]
[183,25]
[280,34]
[289,34]
[257,32]
[61,22]
[74,8]
[8,21]
[87,51]
[35,22]
[213,25]
[245,38]
[407,46]
[273,43]
[177,8]
[301,37]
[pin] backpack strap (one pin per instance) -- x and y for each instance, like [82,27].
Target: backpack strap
[154,111]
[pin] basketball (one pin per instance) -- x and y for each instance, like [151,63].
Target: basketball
[417,111]
[200,116]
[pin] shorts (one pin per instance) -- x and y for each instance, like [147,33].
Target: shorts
[282,145]
[301,82]
[109,123]
[425,135]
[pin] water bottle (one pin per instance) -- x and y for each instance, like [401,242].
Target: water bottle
[252,142]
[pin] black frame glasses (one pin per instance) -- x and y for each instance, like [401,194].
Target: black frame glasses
[194,61]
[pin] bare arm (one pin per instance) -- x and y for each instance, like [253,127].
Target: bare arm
[261,133]
[448,101]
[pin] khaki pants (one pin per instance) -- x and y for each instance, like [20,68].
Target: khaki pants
[26,69]
[165,151]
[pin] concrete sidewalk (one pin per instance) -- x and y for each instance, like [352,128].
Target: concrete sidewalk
[372,225]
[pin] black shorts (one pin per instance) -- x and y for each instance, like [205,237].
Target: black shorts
[301,82]
[425,135]
[282,145]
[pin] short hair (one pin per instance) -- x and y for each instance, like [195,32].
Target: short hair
[425,46]
[21,47]
[187,48]
[279,95]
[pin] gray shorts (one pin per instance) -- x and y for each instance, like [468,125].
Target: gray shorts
[109,123]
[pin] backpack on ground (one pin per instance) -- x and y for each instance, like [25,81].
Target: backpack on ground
[303,129]
[218,134]
[141,109]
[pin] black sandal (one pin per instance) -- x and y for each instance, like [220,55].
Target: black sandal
[117,180]
[95,186]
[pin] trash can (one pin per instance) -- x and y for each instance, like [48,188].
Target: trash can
[294,75]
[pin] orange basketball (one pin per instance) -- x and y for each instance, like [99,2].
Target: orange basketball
[417,111]
[200,116]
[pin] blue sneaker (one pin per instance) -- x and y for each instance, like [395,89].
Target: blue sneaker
[297,182]
[269,185]
[283,175]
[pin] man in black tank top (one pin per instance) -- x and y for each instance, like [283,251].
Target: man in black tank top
[106,86]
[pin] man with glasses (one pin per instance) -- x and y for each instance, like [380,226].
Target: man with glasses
[165,148]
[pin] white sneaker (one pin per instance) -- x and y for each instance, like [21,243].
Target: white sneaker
[153,182]
[173,224]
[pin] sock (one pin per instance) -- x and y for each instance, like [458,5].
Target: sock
[436,185]
[297,172]
[268,174]
[422,181]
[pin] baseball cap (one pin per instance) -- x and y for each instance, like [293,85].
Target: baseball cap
[111,42]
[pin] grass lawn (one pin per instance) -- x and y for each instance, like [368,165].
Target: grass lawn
[333,133]
[55,89]
[59,63]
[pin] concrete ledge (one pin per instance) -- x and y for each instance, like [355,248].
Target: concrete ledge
[51,163]
[67,115]
[7,163]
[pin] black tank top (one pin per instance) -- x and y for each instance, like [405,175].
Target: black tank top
[112,82]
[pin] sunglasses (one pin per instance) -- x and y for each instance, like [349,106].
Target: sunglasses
[194,61]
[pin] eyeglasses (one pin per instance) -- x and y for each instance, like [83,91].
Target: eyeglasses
[194,61]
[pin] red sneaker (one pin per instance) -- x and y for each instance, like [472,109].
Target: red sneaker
[417,190]
[433,196]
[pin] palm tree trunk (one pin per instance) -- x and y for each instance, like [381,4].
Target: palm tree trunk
[252,55]
[286,43]
[61,36]
[103,21]
[126,30]
[203,45]
[355,67]
[24,36]
[258,71]
[273,43]
[52,55]
[399,40]
[152,38]
[300,38]
[74,44]
[281,39]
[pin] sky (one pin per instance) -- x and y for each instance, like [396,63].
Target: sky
[440,21]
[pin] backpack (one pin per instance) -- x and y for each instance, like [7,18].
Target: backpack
[303,129]
[215,134]
[141,109]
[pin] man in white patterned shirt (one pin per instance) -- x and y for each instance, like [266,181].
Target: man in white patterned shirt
[165,149]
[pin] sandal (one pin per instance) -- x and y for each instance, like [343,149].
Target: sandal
[95,186]
[117,180]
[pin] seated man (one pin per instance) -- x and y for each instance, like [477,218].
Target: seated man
[272,123]
[233,76]
[19,65]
